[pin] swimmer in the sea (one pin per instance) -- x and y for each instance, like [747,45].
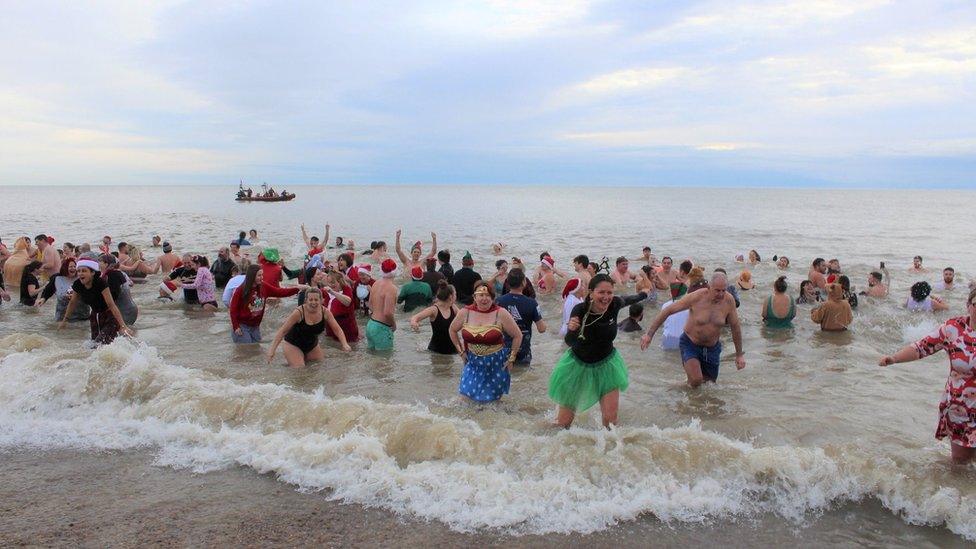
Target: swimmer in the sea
[621,274]
[416,252]
[917,265]
[818,275]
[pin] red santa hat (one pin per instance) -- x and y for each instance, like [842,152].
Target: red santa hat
[547,261]
[570,287]
[389,268]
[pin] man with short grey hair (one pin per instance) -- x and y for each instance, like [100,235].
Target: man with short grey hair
[710,309]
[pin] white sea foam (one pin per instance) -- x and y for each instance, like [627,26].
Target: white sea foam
[410,460]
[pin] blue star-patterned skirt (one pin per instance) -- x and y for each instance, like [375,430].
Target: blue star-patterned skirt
[485,378]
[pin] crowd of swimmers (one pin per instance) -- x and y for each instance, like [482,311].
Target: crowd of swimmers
[487,320]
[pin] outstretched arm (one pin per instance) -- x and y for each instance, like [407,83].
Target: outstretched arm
[308,243]
[908,353]
[677,306]
[422,315]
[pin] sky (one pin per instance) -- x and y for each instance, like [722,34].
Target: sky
[831,93]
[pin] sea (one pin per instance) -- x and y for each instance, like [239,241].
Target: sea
[810,426]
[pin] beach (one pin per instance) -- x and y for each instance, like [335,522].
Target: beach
[179,437]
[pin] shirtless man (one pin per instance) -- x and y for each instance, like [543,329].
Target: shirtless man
[416,251]
[236,256]
[878,283]
[710,309]
[123,252]
[817,275]
[783,263]
[917,265]
[49,256]
[622,275]
[169,260]
[581,264]
[666,275]
[948,279]
[382,304]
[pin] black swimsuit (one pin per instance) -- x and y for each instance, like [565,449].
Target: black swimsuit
[440,337]
[305,336]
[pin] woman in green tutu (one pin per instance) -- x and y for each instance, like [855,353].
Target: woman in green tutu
[592,370]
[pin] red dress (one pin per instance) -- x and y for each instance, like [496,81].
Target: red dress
[957,411]
[345,315]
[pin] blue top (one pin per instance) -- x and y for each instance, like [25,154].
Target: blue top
[525,311]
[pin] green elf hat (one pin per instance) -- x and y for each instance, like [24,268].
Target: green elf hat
[272,255]
[467,259]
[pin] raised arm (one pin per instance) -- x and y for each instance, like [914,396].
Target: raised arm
[399,250]
[433,245]
[325,243]
[308,243]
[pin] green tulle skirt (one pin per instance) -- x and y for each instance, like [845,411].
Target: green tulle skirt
[576,385]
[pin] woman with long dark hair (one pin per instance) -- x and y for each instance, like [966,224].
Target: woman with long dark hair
[247,305]
[592,370]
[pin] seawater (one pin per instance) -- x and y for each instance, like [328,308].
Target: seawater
[811,424]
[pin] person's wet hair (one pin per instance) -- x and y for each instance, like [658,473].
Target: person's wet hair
[201,260]
[544,255]
[444,256]
[581,259]
[646,249]
[780,285]
[647,269]
[595,266]
[635,310]
[758,258]
[819,261]
[844,282]
[499,263]
[444,290]
[686,266]
[249,276]
[721,270]
[515,278]
[620,260]
[950,269]
[918,257]
[242,235]
[877,276]
[803,286]
[920,291]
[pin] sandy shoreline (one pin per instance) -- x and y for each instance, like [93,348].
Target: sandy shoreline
[76,498]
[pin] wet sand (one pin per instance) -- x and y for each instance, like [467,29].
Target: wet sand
[76,498]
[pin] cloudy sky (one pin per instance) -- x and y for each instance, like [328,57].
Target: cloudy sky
[752,93]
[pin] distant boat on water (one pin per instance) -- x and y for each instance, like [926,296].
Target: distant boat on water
[245,194]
